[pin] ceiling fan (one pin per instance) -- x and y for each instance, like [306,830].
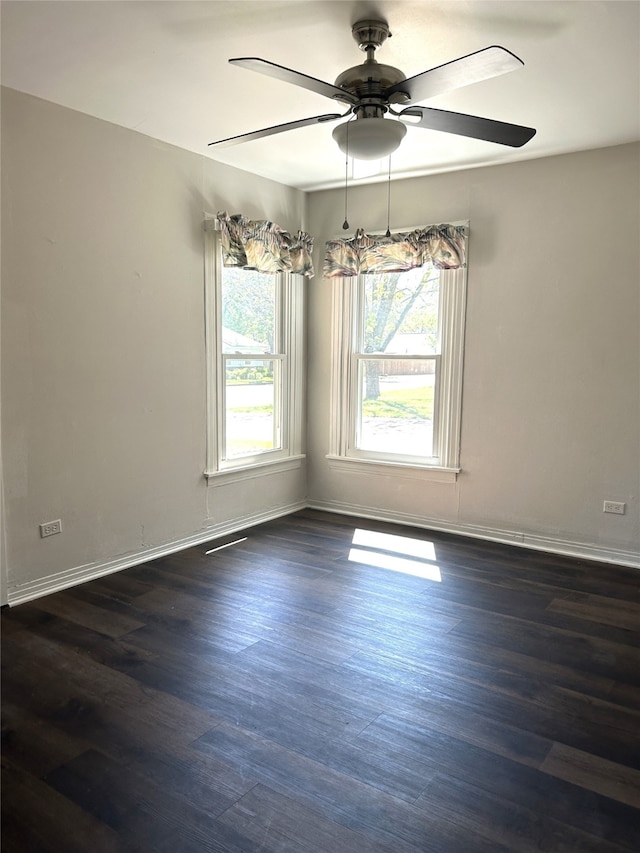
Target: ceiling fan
[372,91]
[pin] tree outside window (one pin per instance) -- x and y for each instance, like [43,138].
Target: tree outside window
[397,368]
[396,344]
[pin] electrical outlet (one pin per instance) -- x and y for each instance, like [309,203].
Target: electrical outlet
[49,528]
[614,506]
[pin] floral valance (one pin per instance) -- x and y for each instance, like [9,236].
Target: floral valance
[264,246]
[443,246]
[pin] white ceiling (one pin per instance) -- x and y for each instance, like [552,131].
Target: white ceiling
[161,68]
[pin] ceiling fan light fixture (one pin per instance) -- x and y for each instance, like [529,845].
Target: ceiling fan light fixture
[369,138]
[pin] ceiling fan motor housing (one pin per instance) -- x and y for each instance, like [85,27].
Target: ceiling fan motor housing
[370,80]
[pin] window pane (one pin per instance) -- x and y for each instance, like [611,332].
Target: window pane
[251,420]
[248,311]
[400,312]
[396,406]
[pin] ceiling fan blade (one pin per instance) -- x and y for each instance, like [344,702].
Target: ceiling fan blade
[276,128]
[481,65]
[464,125]
[271,69]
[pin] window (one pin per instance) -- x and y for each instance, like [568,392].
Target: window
[254,348]
[397,369]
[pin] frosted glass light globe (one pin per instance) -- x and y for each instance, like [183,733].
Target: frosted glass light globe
[369,138]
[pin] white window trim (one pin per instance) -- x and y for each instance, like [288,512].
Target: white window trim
[290,455]
[402,469]
[342,455]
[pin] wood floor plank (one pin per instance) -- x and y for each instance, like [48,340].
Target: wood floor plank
[81,692]
[95,618]
[292,827]
[598,608]
[473,598]
[550,712]
[34,744]
[597,774]
[341,798]
[515,827]
[507,778]
[145,815]
[276,696]
[626,695]
[590,654]
[36,817]
[119,585]
[240,688]
[496,668]
[459,726]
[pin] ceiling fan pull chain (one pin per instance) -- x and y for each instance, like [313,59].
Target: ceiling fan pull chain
[388,234]
[345,224]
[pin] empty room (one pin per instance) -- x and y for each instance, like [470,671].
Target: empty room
[320,418]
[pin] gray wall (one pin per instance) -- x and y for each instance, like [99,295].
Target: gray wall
[551,384]
[103,360]
[103,367]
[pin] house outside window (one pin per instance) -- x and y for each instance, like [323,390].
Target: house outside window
[254,365]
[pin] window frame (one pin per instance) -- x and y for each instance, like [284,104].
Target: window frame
[289,334]
[343,454]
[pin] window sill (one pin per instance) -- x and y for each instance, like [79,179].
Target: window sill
[432,473]
[250,472]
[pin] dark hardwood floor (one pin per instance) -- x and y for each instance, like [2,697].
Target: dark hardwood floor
[277,696]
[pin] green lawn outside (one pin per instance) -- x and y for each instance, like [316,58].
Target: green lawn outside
[401,403]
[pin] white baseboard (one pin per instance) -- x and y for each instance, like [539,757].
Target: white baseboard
[567,548]
[29,590]
[19,593]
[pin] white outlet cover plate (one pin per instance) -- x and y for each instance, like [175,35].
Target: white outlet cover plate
[616,507]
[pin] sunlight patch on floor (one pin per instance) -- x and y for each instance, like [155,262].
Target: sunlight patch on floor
[395,553]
